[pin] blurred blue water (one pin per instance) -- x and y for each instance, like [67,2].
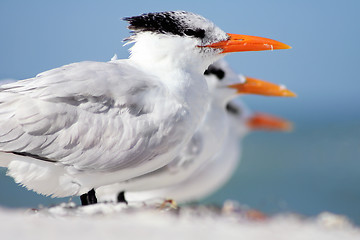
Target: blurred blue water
[311,170]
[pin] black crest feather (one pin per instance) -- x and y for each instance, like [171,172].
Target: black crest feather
[164,22]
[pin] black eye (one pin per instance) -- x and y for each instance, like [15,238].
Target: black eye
[219,73]
[233,109]
[198,33]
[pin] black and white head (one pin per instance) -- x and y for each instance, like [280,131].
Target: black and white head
[181,35]
[244,120]
[239,114]
[221,74]
[221,78]
[225,84]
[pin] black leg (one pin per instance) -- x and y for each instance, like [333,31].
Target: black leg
[121,197]
[84,199]
[88,198]
[92,196]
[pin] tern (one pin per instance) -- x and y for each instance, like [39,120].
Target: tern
[75,128]
[209,139]
[214,175]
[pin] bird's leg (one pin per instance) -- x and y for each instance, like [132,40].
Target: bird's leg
[84,199]
[88,198]
[92,196]
[121,198]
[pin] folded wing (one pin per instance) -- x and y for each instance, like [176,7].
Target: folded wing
[87,115]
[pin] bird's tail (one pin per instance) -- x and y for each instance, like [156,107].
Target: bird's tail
[43,177]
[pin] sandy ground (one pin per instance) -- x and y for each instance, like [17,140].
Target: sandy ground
[153,221]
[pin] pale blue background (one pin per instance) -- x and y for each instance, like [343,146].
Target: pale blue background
[316,168]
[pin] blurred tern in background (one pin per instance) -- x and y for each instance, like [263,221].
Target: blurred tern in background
[211,177]
[210,138]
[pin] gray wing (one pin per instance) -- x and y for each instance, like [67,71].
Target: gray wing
[90,115]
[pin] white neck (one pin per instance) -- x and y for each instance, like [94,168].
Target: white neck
[178,64]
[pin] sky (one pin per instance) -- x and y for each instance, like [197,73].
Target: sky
[322,67]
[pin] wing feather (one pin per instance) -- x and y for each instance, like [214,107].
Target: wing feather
[87,115]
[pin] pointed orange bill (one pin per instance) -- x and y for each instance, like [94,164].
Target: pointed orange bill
[262,121]
[242,43]
[260,87]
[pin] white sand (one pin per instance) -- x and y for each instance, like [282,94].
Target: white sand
[117,221]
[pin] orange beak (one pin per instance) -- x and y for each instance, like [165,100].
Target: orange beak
[262,121]
[260,87]
[242,43]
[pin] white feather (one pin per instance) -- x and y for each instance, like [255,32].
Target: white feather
[201,151]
